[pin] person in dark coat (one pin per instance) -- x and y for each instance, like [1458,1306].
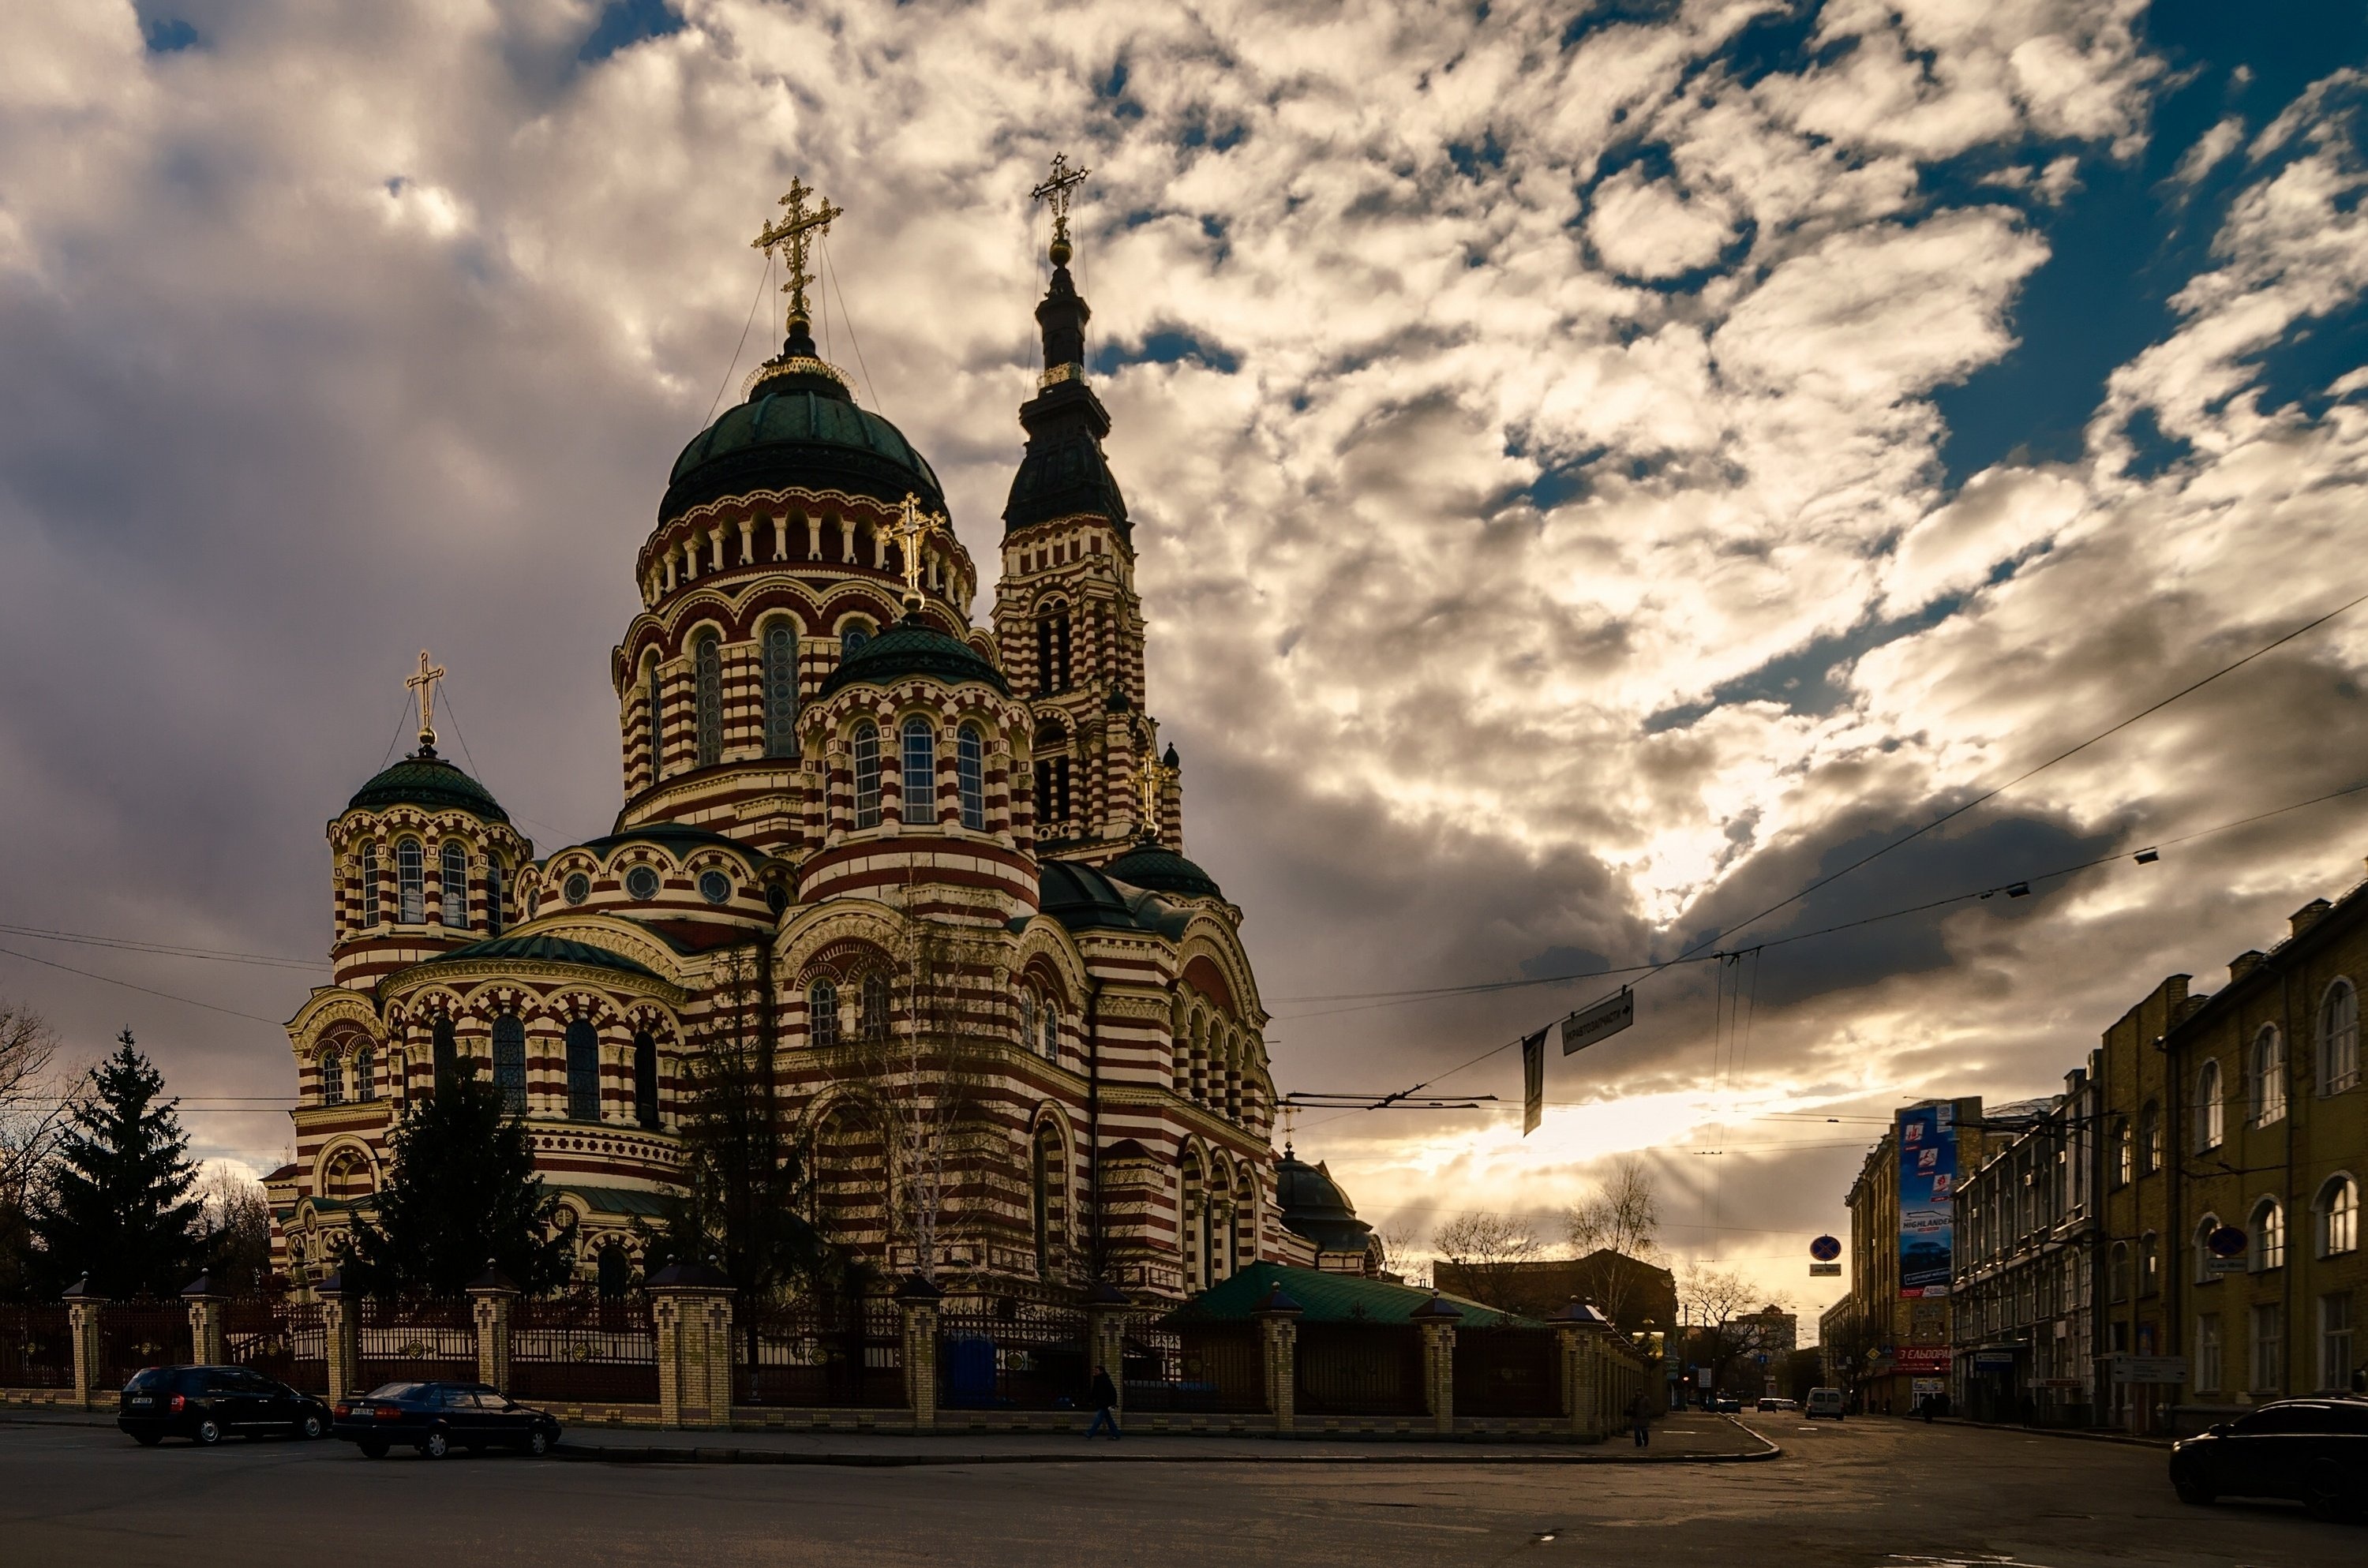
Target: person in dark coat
[1104,1396]
[1639,1420]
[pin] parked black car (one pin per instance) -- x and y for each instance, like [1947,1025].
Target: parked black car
[209,1403]
[436,1418]
[2313,1451]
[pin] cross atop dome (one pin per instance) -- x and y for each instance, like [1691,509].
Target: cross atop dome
[424,683]
[1055,192]
[795,234]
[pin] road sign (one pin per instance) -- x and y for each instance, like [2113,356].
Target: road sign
[1825,1271]
[1599,1022]
[2149,1369]
[1825,1249]
[2228,1241]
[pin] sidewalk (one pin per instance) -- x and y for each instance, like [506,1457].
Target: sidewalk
[2083,1434]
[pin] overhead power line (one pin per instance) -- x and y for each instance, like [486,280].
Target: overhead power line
[166,949]
[145,990]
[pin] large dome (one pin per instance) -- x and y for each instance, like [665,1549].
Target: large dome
[799,426]
[1155,866]
[1312,1205]
[425,779]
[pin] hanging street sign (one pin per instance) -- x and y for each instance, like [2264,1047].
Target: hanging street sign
[1599,1022]
[1533,1081]
[1825,1249]
[1825,1271]
[2226,1247]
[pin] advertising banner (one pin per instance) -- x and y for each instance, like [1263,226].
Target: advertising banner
[1927,1191]
[1920,1358]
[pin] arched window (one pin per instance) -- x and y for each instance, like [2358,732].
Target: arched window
[865,748]
[2150,1139]
[2336,1213]
[874,1020]
[497,893]
[646,1079]
[368,917]
[1052,651]
[2269,1235]
[1028,1019]
[2203,1272]
[410,882]
[2117,1271]
[333,1078]
[2267,1076]
[509,1062]
[970,776]
[583,1072]
[616,1273]
[917,783]
[454,915]
[1041,1202]
[2211,1116]
[2124,1152]
[365,1074]
[658,720]
[2149,1265]
[851,639]
[1050,1044]
[2339,1039]
[822,1014]
[444,1050]
[780,689]
[707,658]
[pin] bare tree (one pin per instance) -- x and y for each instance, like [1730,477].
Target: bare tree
[1482,1252]
[30,1106]
[1720,1307]
[238,1230]
[1621,1216]
[1401,1254]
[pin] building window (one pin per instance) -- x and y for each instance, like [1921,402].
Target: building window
[2149,1265]
[917,781]
[2269,1341]
[509,1062]
[616,1273]
[2207,1353]
[780,689]
[365,1074]
[2204,1229]
[369,916]
[657,721]
[1028,1019]
[2126,1154]
[1052,651]
[642,883]
[333,1079]
[2269,1076]
[970,776]
[583,1072]
[2117,1271]
[410,882]
[852,638]
[866,750]
[2269,1235]
[454,887]
[873,1019]
[1051,1024]
[497,893]
[645,1080]
[2211,1116]
[2339,1039]
[707,658]
[2335,1214]
[822,1014]
[2335,1341]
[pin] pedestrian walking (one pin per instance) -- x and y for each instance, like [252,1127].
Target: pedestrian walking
[1640,1421]
[1104,1395]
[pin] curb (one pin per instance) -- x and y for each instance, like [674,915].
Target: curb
[622,1454]
[2125,1439]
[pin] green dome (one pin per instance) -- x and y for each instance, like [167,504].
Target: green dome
[1161,868]
[914,647]
[799,427]
[424,779]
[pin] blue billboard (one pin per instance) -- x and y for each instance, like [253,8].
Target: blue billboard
[1927,1192]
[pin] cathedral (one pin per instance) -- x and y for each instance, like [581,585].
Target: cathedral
[930,870]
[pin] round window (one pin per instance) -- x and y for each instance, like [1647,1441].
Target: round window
[642,882]
[576,888]
[714,886]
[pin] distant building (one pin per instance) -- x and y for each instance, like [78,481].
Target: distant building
[1891,1340]
[1639,1297]
[1771,1332]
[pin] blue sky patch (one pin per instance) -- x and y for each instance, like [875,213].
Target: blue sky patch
[626,23]
[1164,346]
[169,35]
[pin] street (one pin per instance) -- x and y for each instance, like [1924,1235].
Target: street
[1866,1491]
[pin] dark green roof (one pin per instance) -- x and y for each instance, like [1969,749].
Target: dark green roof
[913,647]
[1082,897]
[619,1200]
[1161,868]
[799,426]
[425,779]
[545,949]
[1312,1205]
[675,837]
[1328,1298]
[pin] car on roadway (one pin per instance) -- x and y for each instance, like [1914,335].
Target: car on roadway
[1726,1404]
[206,1404]
[1824,1401]
[2314,1451]
[436,1418]
[1772,1402]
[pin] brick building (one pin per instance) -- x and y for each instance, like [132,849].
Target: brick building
[1891,1340]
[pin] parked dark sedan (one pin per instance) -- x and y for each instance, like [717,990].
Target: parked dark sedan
[2313,1450]
[436,1418]
[209,1403]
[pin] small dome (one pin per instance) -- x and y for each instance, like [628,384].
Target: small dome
[1312,1205]
[424,779]
[1082,897]
[913,647]
[545,949]
[1161,868]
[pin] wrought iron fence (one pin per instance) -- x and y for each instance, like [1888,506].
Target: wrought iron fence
[584,1351]
[1017,1359]
[820,1354]
[1210,1367]
[416,1341]
[286,1340]
[137,1334]
[1348,1368]
[1507,1371]
[36,1347]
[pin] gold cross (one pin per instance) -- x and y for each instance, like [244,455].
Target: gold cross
[1057,190]
[794,233]
[1154,775]
[914,528]
[424,683]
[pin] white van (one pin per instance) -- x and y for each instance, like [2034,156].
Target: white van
[1824,1401]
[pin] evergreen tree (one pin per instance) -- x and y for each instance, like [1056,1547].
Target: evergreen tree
[117,1200]
[460,1189]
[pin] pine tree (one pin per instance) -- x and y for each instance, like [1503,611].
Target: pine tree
[118,1201]
[461,1190]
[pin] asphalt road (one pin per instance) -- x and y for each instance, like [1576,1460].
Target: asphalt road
[1864,1492]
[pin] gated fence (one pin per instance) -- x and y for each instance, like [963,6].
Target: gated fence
[416,1341]
[584,1351]
[845,1353]
[133,1335]
[1028,1358]
[1350,1369]
[1214,1367]
[36,1347]
[1507,1371]
[283,1340]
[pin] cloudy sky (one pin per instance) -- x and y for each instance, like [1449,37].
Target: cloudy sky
[1596,469]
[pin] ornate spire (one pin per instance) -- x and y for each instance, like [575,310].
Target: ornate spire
[424,683]
[1055,190]
[1064,472]
[795,234]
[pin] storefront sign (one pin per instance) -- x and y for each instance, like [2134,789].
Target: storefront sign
[1920,1358]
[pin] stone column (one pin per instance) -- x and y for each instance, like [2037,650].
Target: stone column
[691,1306]
[341,1326]
[1105,1308]
[206,1309]
[492,1298]
[1581,1330]
[1437,1319]
[86,1311]
[1277,1318]
[919,1299]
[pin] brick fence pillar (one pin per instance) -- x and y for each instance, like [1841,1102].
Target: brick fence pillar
[1277,1318]
[919,1299]
[1582,1332]
[492,1297]
[341,1328]
[1106,1310]
[690,1306]
[1437,1319]
[206,1344]
[86,1311]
